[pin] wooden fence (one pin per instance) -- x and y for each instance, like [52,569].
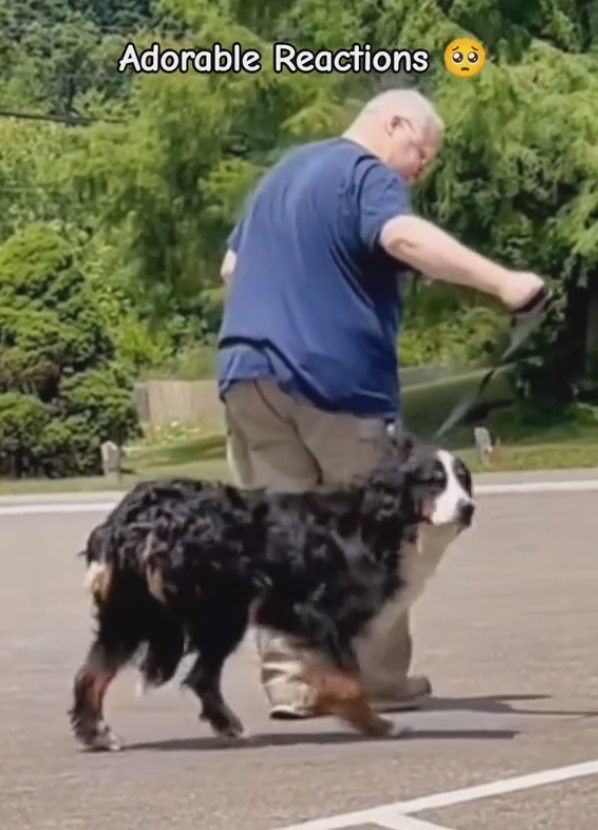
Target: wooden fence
[191,403]
[195,402]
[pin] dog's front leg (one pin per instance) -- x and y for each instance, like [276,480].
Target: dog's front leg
[341,694]
[331,667]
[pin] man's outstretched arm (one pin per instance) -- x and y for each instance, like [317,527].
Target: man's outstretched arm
[426,248]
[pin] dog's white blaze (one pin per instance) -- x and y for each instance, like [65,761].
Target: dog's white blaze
[446,508]
[95,572]
[418,563]
[141,688]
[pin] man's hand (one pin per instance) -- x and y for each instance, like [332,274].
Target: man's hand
[518,288]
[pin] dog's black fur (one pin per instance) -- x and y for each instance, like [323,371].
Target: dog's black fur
[190,563]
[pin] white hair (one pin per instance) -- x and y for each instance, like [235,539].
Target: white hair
[407,103]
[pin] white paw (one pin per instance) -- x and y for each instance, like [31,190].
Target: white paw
[399,730]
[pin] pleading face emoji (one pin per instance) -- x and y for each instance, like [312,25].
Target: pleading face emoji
[465,57]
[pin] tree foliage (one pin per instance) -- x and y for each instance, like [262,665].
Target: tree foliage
[147,191]
[61,393]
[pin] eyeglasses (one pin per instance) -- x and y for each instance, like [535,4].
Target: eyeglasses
[418,142]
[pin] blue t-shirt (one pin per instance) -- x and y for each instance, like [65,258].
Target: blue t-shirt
[314,302]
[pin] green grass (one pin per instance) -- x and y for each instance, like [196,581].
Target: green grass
[527,456]
[569,443]
[555,449]
[199,468]
[426,405]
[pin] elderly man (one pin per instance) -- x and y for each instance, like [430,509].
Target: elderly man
[307,364]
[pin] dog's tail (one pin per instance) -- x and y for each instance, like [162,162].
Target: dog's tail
[97,582]
[153,573]
[98,576]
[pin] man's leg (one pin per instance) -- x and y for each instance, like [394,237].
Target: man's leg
[348,448]
[265,450]
[385,664]
[277,443]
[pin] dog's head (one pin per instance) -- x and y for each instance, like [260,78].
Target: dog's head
[428,485]
[438,483]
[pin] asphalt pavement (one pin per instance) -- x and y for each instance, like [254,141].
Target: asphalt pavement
[507,633]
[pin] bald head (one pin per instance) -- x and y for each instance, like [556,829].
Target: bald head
[406,103]
[402,128]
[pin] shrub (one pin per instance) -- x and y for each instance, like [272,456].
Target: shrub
[61,393]
[464,336]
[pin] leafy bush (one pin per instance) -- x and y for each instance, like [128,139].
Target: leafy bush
[23,421]
[61,393]
[425,406]
[442,325]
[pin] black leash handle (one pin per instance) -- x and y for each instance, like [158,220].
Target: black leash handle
[524,321]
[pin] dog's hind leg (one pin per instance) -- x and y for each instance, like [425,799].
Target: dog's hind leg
[214,641]
[114,646]
[101,666]
[165,649]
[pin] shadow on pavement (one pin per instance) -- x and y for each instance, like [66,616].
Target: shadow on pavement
[295,738]
[502,704]
[491,704]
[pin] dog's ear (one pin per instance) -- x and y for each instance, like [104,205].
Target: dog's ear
[384,494]
[403,442]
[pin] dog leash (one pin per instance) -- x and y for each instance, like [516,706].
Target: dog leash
[524,321]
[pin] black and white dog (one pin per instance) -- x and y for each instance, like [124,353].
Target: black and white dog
[185,566]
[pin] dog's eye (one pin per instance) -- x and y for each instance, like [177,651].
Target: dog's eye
[433,478]
[437,475]
[463,476]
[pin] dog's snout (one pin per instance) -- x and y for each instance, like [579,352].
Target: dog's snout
[465,511]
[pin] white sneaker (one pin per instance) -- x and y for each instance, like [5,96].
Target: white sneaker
[291,711]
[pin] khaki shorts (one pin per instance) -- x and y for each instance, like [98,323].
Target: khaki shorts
[279,444]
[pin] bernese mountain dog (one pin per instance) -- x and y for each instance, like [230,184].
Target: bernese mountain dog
[183,566]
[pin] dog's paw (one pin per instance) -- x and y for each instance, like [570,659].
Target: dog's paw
[227,726]
[106,741]
[97,738]
[381,727]
[398,730]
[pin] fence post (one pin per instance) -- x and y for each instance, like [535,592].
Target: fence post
[112,457]
[484,445]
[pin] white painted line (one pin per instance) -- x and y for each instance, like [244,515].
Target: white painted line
[338,822]
[392,815]
[504,787]
[402,822]
[379,817]
[533,487]
[47,509]
[74,503]
[75,497]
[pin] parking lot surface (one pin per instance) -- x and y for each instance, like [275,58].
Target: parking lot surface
[507,632]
